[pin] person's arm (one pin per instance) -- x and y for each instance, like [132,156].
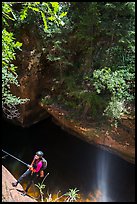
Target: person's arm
[31,165]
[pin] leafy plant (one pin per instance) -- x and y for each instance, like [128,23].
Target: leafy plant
[116,83]
[72,195]
[9,76]
[115,109]
[47,100]
[49,12]
[41,187]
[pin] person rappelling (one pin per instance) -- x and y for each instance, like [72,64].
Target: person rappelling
[35,169]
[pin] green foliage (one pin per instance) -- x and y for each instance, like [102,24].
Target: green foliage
[47,100]
[9,75]
[54,17]
[115,109]
[106,32]
[116,83]
[7,13]
[75,97]
[72,195]
[48,12]
[101,49]
[91,48]
[107,35]
[41,187]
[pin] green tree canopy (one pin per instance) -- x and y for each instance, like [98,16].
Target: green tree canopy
[90,45]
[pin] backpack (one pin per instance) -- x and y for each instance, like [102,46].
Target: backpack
[44,164]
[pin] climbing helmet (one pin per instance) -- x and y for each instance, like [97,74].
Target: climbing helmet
[40,154]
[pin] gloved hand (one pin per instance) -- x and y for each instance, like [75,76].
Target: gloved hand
[30,167]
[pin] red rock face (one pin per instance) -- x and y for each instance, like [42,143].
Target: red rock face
[9,193]
[31,78]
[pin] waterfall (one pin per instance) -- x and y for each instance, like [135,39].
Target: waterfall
[103,173]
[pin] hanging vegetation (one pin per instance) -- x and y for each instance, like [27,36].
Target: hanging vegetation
[90,48]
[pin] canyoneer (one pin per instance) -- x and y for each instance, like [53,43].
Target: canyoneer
[36,169]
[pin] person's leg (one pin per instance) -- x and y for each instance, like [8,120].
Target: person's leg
[21,178]
[28,186]
[24,175]
[32,179]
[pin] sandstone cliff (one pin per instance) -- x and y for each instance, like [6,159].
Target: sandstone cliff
[9,193]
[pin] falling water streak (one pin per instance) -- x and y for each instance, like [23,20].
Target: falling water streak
[103,175]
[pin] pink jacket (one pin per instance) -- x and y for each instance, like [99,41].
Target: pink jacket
[38,166]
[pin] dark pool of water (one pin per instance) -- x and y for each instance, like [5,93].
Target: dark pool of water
[72,163]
